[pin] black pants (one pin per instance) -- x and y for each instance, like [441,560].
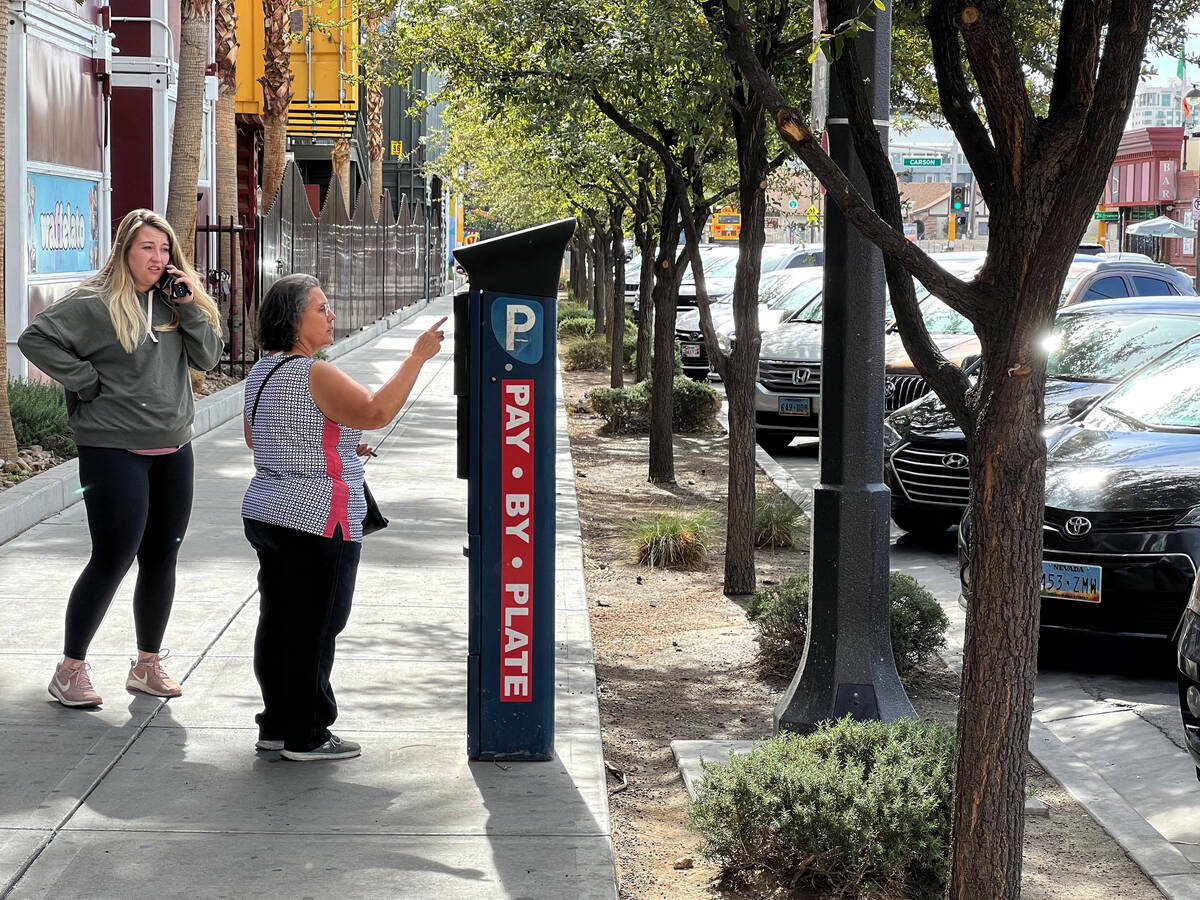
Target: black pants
[137,507]
[305,586]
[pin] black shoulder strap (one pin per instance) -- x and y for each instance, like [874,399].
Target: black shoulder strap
[258,396]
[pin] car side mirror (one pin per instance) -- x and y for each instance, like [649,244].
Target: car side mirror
[970,364]
[1079,405]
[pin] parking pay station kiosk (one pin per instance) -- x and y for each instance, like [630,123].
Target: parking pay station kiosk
[505,330]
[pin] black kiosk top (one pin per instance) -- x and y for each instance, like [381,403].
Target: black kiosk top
[511,262]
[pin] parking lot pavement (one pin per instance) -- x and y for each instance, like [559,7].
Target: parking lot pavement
[1113,740]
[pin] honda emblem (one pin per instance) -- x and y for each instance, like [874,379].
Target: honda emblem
[801,376]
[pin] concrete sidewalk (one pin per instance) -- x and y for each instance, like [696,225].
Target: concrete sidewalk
[144,797]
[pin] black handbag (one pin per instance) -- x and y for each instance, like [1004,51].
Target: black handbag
[374,520]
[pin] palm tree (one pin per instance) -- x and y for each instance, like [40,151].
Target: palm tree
[189,111]
[8,439]
[374,119]
[341,168]
[277,95]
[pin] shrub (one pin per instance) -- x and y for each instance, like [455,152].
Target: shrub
[629,350]
[777,523]
[858,808]
[39,416]
[585,353]
[918,623]
[577,326]
[573,310]
[673,539]
[780,615]
[696,406]
[627,410]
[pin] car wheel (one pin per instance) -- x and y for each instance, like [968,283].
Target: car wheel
[923,522]
[772,441]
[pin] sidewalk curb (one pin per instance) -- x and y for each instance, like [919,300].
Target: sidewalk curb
[1163,863]
[47,493]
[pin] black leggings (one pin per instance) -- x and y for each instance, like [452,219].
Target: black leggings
[137,507]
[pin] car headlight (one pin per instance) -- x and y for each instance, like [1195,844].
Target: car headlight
[1194,599]
[1191,517]
[891,437]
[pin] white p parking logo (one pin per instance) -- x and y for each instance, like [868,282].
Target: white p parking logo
[513,327]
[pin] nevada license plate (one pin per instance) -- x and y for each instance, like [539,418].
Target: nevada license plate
[691,351]
[795,406]
[1067,581]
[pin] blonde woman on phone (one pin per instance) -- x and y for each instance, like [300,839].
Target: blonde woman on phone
[121,344]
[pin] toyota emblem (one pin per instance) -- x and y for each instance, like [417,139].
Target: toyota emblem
[955,461]
[1077,526]
[801,376]
[889,388]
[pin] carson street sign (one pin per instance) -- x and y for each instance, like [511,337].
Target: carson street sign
[927,161]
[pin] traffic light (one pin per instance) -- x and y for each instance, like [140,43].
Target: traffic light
[958,197]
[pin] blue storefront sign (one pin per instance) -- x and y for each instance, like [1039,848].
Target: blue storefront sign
[64,214]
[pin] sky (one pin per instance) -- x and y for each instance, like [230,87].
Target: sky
[1167,66]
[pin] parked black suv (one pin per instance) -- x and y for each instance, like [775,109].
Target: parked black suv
[1093,346]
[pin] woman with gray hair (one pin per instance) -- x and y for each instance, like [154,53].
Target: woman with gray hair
[303,511]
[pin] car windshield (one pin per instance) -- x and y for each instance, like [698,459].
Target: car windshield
[941,319]
[1163,396]
[720,265]
[799,296]
[1108,346]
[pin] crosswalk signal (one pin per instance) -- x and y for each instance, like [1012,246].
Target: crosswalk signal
[957,195]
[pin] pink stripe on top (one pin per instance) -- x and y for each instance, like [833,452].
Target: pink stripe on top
[339,503]
[161,451]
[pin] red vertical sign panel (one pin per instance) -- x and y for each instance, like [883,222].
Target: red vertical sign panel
[516,541]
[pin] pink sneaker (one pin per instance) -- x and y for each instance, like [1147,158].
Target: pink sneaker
[149,677]
[73,687]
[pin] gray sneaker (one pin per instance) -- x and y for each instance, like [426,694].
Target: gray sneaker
[265,744]
[334,748]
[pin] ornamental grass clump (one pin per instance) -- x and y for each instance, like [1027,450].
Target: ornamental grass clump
[778,522]
[676,539]
[779,614]
[853,809]
[573,310]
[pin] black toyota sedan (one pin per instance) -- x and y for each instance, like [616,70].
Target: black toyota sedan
[1093,346]
[1122,517]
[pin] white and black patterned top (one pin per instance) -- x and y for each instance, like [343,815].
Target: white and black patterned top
[308,476]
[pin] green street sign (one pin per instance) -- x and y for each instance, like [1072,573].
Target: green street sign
[927,161]
[1107,215]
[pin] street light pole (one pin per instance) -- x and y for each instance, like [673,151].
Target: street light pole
[848,667]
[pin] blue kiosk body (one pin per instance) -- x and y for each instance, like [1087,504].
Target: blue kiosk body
[505,331]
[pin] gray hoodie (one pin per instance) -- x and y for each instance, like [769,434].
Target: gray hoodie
[136,401]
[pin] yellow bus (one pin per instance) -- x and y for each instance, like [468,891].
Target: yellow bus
[726,224]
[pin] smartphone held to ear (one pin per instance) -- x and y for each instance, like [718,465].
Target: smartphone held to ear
[172,287]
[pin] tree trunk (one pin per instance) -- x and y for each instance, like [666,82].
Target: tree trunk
[187,135]
[341,168]
[599,277]
[276,83]
[617,309]
[1000,653]
[587,269]
[645,316]
[8,439]
[662,390]
[374,123]
[741,370]
[578,267]
[225,126]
